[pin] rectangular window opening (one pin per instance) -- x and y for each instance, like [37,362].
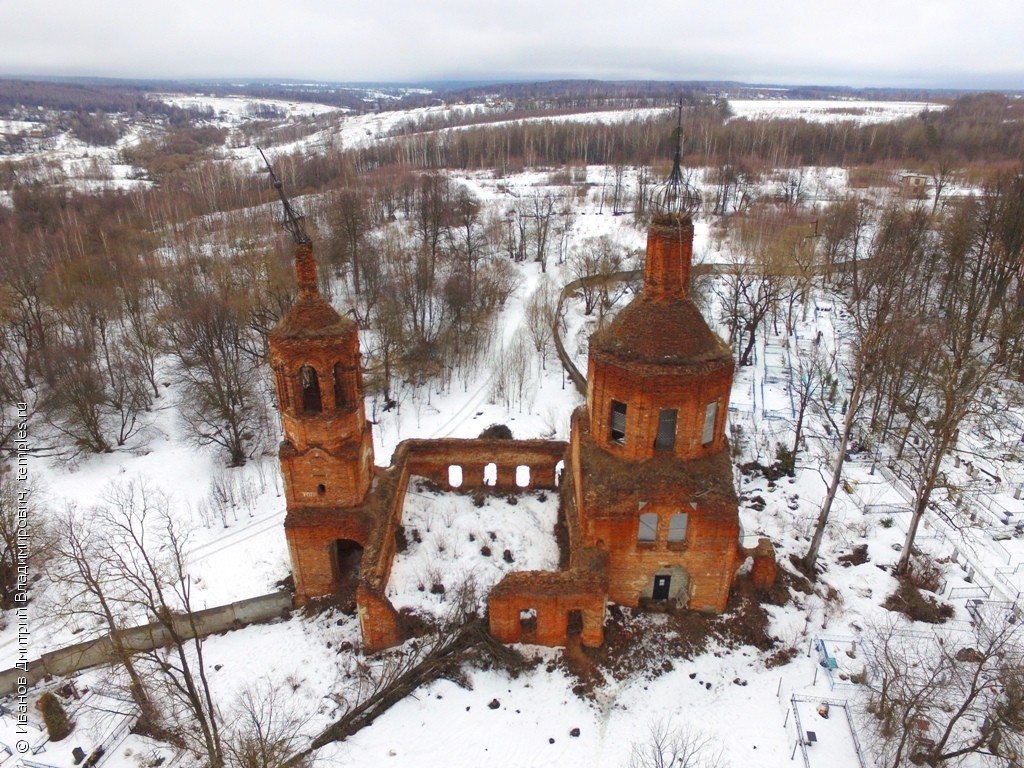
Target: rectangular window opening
[710,414]
[666,439]
[677,528]
[618,425]
[648,529]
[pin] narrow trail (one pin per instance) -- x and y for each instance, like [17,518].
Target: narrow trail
[236,535]
[466,411]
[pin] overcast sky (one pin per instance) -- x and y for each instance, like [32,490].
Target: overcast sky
[933,43]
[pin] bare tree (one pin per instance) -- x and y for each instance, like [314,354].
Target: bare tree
[542,213]
[815,368]
[668,746]
[936,700]
[91,587]
[349,220]
[20,515]
[541,316]
[595,264]
[75,400]
[209,338]
[263,731]
[878,301]
[943,171]
[145,547]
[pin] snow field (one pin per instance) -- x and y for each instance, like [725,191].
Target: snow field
[455,540]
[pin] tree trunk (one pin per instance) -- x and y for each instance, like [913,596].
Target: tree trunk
[810,559]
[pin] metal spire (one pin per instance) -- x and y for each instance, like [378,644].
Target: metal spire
[292,221]
[676,195]
[676,177]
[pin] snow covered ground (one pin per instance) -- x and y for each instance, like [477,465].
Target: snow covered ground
[238,550]
[855,111]
[455,540]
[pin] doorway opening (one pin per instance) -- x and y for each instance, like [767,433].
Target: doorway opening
[346,556]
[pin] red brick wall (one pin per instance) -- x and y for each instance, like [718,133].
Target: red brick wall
[708,554]
[551,596]
[433,458]
[327,455]
[378,620]
[646,392]
[669,257]
[764,570]
[305,268]
[311,537]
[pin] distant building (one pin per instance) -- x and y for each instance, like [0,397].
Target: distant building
[914,185]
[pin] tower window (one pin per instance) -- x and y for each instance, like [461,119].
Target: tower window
[340,399]
[666,439]
[310,390]
[647,531]
[710,413]
[677,528]
[617,433]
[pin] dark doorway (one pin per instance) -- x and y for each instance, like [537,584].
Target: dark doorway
[661,584]
[574,626]
[346,556]
[527,625]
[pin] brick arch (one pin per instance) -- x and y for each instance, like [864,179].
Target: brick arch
[309,390]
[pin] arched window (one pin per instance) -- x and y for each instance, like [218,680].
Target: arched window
[310,390]
[340,395]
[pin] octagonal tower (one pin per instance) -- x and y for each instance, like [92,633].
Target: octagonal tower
[327,451]
[649,452]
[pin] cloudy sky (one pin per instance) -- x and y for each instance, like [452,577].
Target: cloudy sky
[933,43]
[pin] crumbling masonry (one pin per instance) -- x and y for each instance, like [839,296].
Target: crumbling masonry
[648,512]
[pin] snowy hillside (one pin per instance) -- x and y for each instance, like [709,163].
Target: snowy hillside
[749,688]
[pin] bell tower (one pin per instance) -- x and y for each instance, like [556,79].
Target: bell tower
[650,459]
[326,453]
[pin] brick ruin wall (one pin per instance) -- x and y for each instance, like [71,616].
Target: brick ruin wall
[705,562]
[646,393]
[548,608]
[709,566]
[380,622]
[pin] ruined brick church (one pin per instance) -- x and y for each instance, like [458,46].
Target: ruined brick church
[648,513]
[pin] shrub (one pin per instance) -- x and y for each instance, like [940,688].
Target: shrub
[925,573]
[909,601]
[496,432]
[57,724]
[401,541]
